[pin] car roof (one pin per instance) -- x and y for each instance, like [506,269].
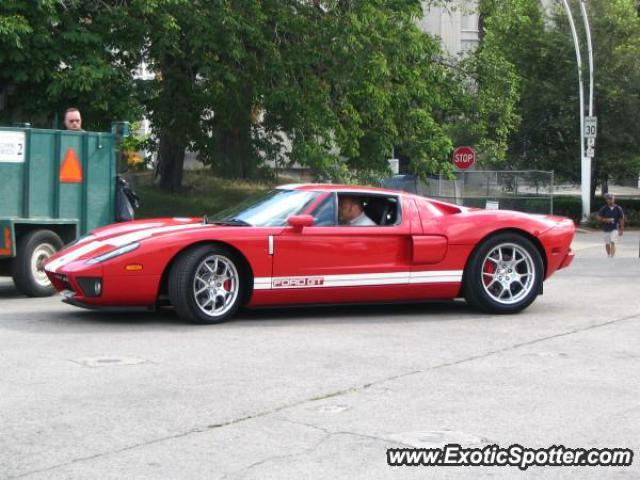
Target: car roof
[332,187]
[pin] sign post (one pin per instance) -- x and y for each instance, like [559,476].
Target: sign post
[590,132]
[585,128]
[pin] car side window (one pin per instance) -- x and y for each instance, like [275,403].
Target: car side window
[325,214]
[383,210]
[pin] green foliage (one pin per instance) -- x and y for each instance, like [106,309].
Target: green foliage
[544,56]
[492,114]
[333,88]
[332,85]
[363,81]
[616,26]
[57,54]
[134,141]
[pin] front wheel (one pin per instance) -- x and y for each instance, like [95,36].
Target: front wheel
[504,274]
[206,285]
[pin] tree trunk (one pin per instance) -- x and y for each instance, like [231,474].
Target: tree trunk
[237,159]
[176,115]
[168,173]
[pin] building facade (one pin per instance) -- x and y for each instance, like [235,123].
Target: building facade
[455,24]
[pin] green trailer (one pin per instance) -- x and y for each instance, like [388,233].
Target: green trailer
[55,185]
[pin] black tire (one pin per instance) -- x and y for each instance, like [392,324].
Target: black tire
[33,249]
[484,297]
[182,281]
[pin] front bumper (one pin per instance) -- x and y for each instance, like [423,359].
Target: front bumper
[568,259]
[76,283]
[108,308]
[557,245]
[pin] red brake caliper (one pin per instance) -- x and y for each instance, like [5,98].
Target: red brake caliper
[488,267]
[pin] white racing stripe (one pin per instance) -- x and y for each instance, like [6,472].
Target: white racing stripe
[74,255]
[115,242]
[262,283]
[436,276]
[125,239]
[358,280]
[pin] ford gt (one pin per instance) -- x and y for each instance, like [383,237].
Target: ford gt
[290,247]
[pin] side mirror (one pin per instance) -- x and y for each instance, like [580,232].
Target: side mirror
[298,222]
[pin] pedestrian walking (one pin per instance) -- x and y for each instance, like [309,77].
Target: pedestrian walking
[612,218]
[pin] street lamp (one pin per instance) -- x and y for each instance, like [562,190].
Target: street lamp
[585,160]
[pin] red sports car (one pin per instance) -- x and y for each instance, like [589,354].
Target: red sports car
[317,244]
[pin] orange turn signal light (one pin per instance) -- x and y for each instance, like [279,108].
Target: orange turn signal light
[133,267]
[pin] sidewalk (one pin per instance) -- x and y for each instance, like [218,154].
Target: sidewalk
[618,190]
[586,241]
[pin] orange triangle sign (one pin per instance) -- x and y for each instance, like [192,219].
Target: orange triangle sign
[70,170]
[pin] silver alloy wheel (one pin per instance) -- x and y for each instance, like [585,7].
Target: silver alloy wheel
[215,285]
[508,273]
[41,253]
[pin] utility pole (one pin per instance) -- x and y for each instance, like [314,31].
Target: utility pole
[585,160]
[586,209]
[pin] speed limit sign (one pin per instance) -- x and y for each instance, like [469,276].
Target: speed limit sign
[590,127]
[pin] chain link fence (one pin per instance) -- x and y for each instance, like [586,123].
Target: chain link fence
[529,191]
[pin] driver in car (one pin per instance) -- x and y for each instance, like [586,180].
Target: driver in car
[351,212]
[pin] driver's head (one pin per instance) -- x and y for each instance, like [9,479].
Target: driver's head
[349,208]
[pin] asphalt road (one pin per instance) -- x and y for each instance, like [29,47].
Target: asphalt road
[323,392]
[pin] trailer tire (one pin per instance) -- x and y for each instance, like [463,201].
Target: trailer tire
[33,249]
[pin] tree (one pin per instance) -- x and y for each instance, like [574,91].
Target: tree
[174,36]
[335,85]
[358,78]
[332,85]
[55,54]
[544,60]
[616,31]
[510,32]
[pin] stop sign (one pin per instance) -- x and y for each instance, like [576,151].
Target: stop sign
[464,157]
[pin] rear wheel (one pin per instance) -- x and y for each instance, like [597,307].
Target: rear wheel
[504,275]
[27,269]
[206,285]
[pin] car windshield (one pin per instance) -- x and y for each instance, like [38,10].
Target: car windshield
[270,210]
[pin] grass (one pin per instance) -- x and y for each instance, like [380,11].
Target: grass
[202,193]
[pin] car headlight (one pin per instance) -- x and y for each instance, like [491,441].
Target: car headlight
[114,253]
